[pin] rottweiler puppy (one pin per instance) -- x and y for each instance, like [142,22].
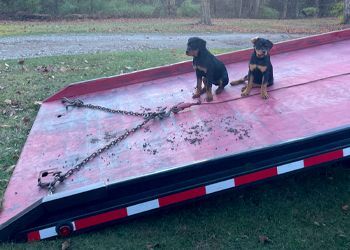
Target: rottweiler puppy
[260,73]
[209,69]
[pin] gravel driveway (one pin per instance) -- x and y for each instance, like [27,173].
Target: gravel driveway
[68,44]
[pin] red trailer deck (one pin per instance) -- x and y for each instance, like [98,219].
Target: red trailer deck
[204,149]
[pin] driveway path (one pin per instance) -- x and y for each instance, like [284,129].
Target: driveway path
[67,44]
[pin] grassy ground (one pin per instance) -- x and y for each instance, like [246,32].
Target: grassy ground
[307,211]
[308,26]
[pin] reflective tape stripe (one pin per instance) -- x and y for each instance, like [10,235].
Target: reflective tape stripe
[256,176]
[182,196]
[219,186]
[346,151]
[290,167]
[143,207]
[47,232]
[100,218]
[318,159]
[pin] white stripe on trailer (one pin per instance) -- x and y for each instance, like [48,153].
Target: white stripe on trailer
[290,167]
[222,185]
[346,152]
[143,207]
[47,232]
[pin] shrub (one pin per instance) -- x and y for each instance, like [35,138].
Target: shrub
[188,9]
[124,9]
[337,9]
[67,8]
[309,11]
[271,13]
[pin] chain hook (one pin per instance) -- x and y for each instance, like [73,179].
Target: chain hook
[72,102]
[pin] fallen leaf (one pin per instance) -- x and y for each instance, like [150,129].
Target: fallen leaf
[38,102]
[151,246]
[8,101]
[26,120]
[264,239]
[65,245]
[10,168]
[345,207]
[6,65]
[63,69]
[4,126]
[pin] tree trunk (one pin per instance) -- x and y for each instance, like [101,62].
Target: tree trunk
[317,5]
[256,8]
[285,9]
[171,8]
[205,7]
[296,8]
[240,8]
[347,11]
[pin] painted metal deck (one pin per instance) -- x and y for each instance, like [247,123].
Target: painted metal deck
[311,96]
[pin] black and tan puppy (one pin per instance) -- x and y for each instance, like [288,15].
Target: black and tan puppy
[209,69]
[260,73]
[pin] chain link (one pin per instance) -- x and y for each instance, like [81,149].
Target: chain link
[60,177]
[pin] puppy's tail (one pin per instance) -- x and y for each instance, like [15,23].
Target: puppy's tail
[240,81]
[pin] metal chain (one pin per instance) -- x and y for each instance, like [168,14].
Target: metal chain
[79,103]
[59,177]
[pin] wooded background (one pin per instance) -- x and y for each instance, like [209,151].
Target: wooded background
[50,9]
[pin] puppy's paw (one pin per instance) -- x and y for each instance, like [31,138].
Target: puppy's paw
[219,90]
[209,98]
[264,95]
[244,93]
[244,88]
[198,93]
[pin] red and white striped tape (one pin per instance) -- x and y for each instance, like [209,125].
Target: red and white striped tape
[116,214]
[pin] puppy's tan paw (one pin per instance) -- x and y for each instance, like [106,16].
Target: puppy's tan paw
[264,95]
[209,98]
[198,93]
[245,93]
[219,90]
[244,88]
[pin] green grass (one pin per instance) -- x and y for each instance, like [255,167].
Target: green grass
[300,212]
[308,26]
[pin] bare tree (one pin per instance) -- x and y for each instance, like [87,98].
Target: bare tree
[285,9]
[256,8]
[171,8]
[317,5]
[346,11]
[205,7]
[240,8]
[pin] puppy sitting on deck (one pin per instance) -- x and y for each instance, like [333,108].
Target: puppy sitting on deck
[209,69]
[260,74]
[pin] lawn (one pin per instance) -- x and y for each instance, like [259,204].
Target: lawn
[155,25]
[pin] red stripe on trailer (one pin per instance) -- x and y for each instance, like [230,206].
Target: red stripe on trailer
[33,236]
[182,196]
[259,175]
[318,159]
[100,218]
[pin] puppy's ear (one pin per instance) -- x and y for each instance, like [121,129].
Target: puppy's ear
[202,43]
[254,40]
[269,44]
